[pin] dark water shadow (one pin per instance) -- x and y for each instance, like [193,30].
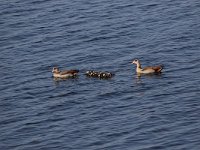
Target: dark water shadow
[57,81]
[98,78]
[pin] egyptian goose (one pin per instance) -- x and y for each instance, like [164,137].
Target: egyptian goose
[64,74]
[147,70]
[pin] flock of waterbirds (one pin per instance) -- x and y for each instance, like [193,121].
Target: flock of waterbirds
[105,74]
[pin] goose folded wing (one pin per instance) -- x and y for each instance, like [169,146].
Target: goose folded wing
[69,72]
[155,68]
[147,68]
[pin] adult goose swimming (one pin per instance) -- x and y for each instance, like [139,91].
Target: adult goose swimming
[64,74]
[147,70]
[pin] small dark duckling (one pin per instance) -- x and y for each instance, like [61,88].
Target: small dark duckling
[101,75]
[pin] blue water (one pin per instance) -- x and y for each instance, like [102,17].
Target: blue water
[126,112]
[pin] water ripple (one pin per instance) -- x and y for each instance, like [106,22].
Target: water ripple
[125,112]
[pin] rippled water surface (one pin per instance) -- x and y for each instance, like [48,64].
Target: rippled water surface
[126,112]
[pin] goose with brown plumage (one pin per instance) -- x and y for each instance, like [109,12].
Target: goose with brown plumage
[147,70]
[64,74]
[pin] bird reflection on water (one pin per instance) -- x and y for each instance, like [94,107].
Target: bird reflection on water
[139,76]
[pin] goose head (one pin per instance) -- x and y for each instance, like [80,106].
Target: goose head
[136,61]
[55,70]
